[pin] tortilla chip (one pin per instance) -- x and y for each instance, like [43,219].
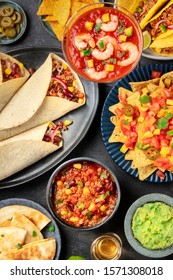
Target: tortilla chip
[76,5]
[50,18]
[58,29]
[134,99]
[36,217]
[145,171]
[140,85]
[44,8]
[10,237]
[44,249]
[61,10]
[164,76]
[117,136]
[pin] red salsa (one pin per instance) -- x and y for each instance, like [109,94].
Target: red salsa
[84,194]
[103,44]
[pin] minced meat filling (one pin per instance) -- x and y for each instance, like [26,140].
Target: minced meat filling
[143,9]
[63,83]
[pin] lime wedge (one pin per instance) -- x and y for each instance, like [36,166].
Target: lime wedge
[147,39]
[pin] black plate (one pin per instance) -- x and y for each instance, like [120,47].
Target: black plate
[32,204]
[82,118]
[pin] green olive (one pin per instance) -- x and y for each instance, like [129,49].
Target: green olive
[151,153]
[10,32]
[6,11]
[7,22]
[18,18]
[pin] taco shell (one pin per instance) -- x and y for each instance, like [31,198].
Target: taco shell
[9,87]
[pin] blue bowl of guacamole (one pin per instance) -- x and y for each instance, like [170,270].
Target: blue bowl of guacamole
[148,225]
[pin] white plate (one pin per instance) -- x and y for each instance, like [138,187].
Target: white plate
[150,54]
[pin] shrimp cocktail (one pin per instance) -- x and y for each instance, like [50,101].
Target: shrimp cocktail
[102,42]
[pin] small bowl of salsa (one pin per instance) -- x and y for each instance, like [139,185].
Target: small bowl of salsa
[83,193]
[102,42]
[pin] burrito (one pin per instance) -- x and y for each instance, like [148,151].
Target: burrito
[145,10]
[64,93]
[13,75]
[23,150]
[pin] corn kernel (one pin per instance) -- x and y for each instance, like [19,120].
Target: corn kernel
[90,63]
[51,125]
[143,109]
[156,131]
[89,25]
[77,165]
[71,89]
[63,212]
[109,67]
[59,183]
[8,71]
[74,83]
[145,90]
[74,219]
[103,208]
[67,191]
[64,66]
[122,38]
[86,191]
[169,102]
[67,122]
[148,134]
[106,17]
[140,119]
[91,207]
[123,149]
[21,66]
[80,100]
[164,151]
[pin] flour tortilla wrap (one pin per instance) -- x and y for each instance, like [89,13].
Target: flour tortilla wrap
[52,108]
[145,10]
[9,87]
[28,98]
[23,150]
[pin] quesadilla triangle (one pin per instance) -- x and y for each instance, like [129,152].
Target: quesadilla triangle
[28,98]
[10,237]
[44,249]
[65,93]
[161,25]
[145,10]
[23,150]
[39,219]
[13,75]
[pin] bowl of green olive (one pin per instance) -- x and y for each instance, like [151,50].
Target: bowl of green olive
[13,22]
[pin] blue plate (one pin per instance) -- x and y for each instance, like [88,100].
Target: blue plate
[137,75]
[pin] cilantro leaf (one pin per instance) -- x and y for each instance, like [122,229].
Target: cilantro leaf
[162,123]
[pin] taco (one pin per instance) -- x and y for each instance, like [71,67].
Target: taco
[13,75]
[161,25]
[163,46]
[28,147]
[145,10]
[64,92]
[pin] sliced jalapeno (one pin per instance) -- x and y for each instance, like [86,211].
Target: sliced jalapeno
[7,22]
[128,110]
[10,32]
[6,11]
[151,153]
[18,18]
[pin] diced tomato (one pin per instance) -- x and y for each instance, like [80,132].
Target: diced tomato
[123,98]
[118,112]
[160,174]
[155,74]
[168,93]
[162,164]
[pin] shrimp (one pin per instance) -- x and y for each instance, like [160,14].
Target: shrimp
[92,73]
[83,40]
[109,26]
[102,55]
[132,51]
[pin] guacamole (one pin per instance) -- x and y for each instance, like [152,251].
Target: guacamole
[152,225]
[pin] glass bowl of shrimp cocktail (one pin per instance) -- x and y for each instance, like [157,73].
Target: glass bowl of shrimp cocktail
[102,42]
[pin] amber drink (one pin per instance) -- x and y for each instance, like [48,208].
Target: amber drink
[106,247]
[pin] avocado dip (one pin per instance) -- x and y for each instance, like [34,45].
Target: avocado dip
[152,225]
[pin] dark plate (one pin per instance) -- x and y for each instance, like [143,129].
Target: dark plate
[139,74]
[128,230]
[23,24]
[82,119]
[32,204]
